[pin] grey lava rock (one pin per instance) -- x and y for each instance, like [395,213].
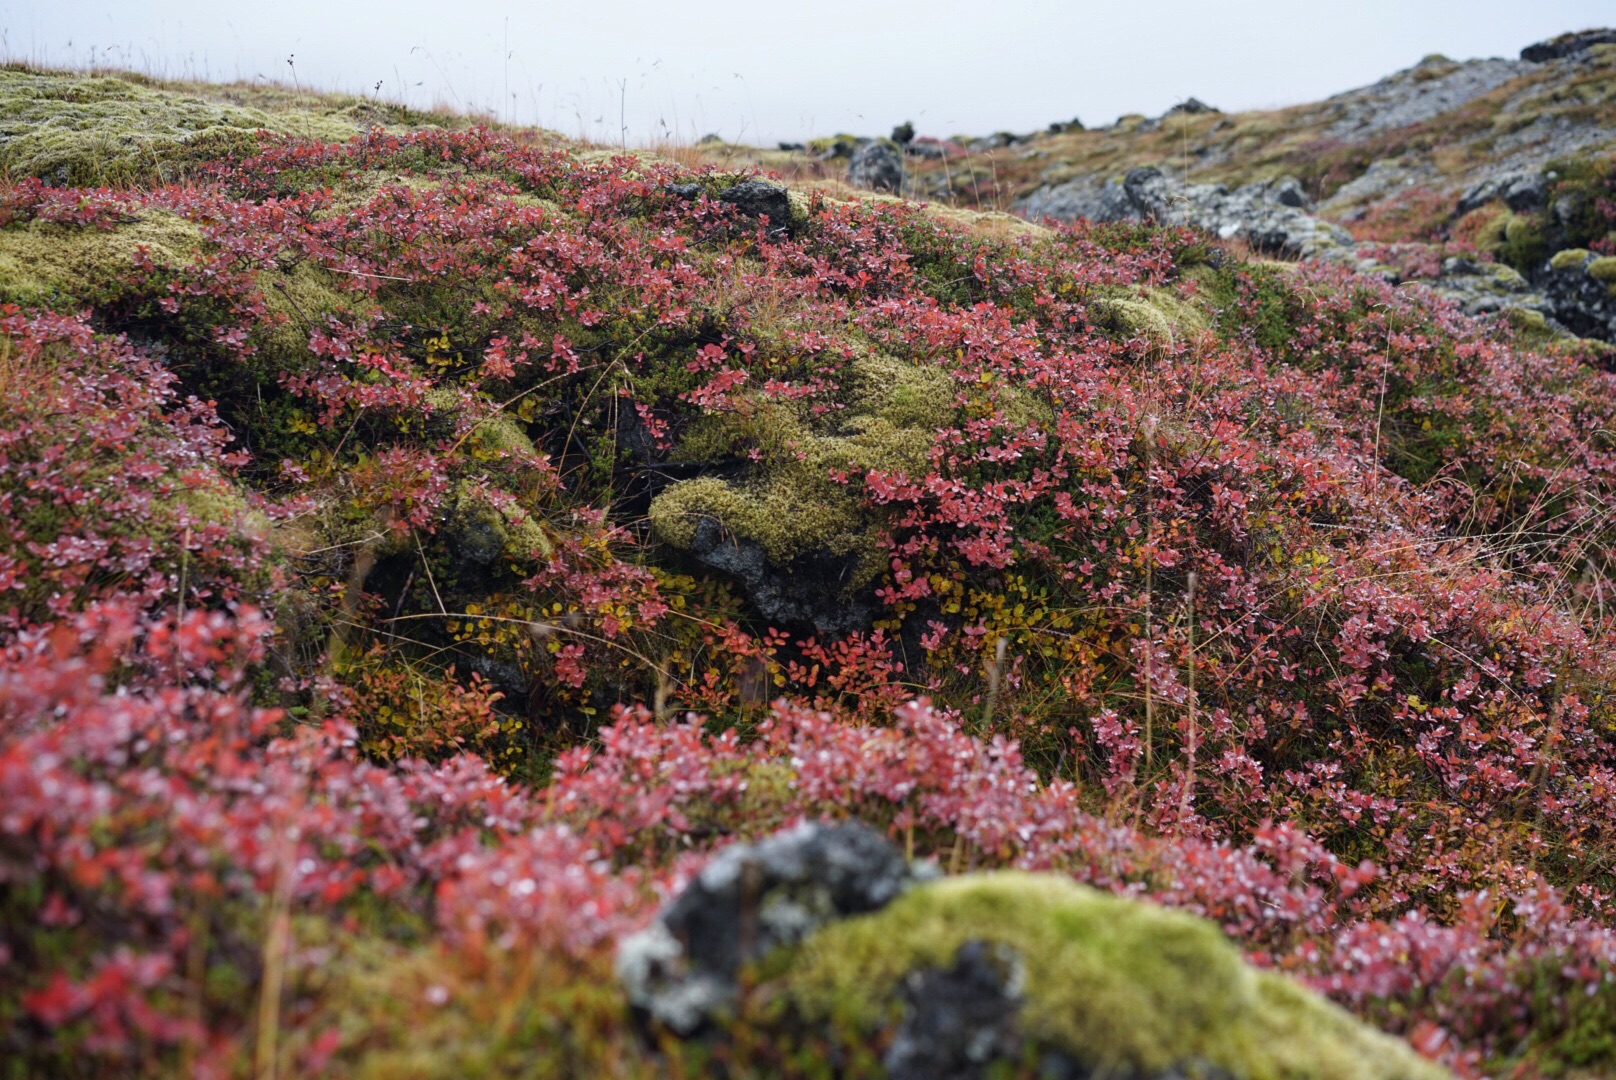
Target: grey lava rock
[1521,191]
[877,165]
[751,899]
[1267,215]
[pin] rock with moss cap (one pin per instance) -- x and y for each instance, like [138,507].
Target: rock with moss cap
[803,543]
[998,974]
[1581,289]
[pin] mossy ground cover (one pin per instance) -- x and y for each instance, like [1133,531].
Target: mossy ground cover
[348,490]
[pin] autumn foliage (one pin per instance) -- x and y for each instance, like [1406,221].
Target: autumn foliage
[333,624]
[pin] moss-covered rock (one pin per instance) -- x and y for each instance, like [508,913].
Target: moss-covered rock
[1120,986]
[69,267]
[1569,259]
[1602,269]
[792,506]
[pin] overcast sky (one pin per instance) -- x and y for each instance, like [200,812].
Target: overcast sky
[764,71]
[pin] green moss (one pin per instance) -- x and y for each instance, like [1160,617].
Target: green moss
[1603,269]
[1159,316]
[1124,986]
[485,532]
[69,127]
[303,296]
[71,267]
[1569,259]
[791,506]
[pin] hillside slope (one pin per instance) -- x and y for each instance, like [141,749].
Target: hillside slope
[1465,176]
[424,552]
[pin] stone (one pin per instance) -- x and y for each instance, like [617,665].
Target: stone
[1577,285]
[758,198]
[904,133]
[1191,106]
[1567,45]
[807,591]
[959,1021]
[752,197]
[878,166]
[1521,190]
[749,900]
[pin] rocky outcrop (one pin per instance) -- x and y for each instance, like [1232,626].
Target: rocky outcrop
[1567,45]
[1270,216]
[877,165]
[1520,189]
[810,590]
[824,940]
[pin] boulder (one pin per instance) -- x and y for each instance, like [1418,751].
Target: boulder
[1581,291]
[1191,107]
[878,166]
[1522,190]
[752,197]
[848,954]
[750,900]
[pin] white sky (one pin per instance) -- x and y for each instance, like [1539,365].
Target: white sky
[785,69]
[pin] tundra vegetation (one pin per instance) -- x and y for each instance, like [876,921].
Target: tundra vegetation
[417,548]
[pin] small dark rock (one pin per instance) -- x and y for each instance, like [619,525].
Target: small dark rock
[904,133]
[753,198]
[959,1022]
[1288,191]
[793,147]
[1191,106]
[878,166]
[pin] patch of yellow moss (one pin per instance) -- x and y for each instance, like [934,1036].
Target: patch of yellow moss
[1159,316]
[1569,259]
[67,266]
[1123,986]
[1603,269]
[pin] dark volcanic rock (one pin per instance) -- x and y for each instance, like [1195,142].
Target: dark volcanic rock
[1567,45]
[809,591]
[877,165]
[959,1021]
[753,198]
[751,899]
[759,198]
[1521,191]
[1578,287]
